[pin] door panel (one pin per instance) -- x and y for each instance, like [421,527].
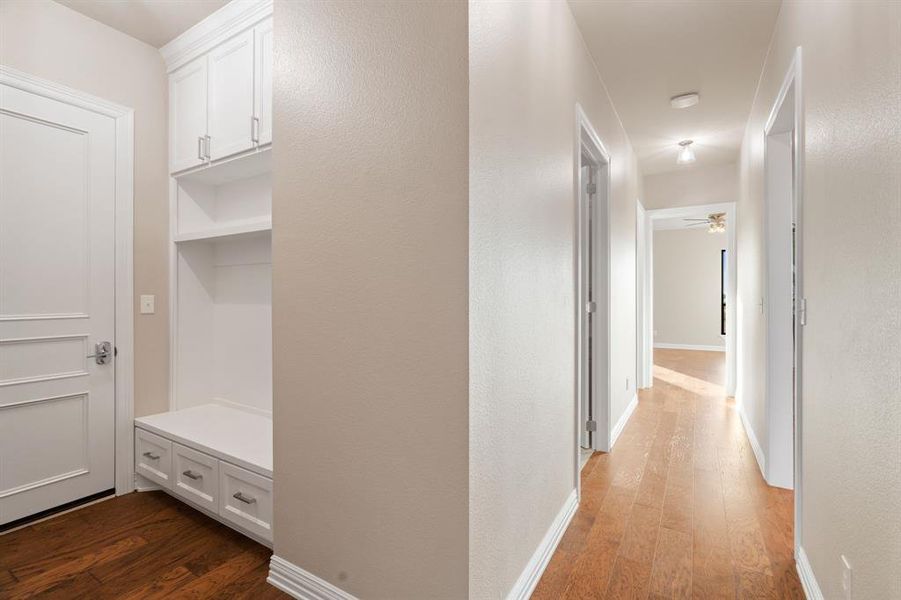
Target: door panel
[188,115]
[263,81]
[231,96]
[57,215]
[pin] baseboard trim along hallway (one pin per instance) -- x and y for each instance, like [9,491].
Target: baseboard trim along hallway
[805,574]
[703,348]
[752,439]
[623,420]
[302,584]
[531,575]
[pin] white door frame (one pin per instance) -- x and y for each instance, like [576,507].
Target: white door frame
[731,289]
[790,90]
[124,231]
[644,276]
[586,137]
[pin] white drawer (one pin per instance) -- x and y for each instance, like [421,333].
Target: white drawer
[195,477]
[153,457]
[245,499]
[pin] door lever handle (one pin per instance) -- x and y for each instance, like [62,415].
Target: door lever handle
[103,351]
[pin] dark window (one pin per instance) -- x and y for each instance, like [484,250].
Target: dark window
[722,292]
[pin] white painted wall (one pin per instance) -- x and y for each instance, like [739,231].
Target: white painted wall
[851,232]
[528,69]
[691,185]
[687,287]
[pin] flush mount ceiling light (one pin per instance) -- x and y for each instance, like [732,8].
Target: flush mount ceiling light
[686,154]
[685,100]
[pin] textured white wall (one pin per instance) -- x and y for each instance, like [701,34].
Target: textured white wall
[691,185]
[369,298]
[851,232]
[687,287]
[528,69]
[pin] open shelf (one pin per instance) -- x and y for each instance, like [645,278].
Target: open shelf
[243,166]
[225,230]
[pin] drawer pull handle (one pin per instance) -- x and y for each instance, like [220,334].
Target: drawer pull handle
[243,498]
[192,475]
[152,456]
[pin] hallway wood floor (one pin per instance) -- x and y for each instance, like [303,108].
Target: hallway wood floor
[145,545]
[679,509]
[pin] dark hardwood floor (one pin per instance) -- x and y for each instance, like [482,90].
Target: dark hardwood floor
[679,508]
[145,545]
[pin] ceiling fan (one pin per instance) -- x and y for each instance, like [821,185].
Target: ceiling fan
[715,222]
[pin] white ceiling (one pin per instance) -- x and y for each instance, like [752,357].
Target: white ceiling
[650,50]
[155,22]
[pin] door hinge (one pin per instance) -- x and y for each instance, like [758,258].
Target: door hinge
[802,311]
[591,425]
[591,307]
[592,188]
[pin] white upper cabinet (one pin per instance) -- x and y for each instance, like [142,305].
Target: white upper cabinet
[188,115]
[231,96]
[220,86]
[263,82]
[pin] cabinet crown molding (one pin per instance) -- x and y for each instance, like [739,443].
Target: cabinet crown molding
[232,18]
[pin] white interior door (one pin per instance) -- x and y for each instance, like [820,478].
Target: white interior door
[231,96]
[188,115]
[57,212]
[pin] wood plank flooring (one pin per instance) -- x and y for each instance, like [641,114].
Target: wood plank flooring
[145,545]
[679,508]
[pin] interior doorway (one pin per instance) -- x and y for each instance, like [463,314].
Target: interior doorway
[783,304]
[593,315]
[66,325]
[722,265]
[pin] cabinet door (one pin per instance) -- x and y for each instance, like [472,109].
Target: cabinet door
[263,81]
[231,96]
[188,115]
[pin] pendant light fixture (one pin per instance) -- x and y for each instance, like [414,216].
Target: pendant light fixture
[686,154]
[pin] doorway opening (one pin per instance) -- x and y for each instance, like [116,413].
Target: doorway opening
[696,309]
[593,293]
[784,308]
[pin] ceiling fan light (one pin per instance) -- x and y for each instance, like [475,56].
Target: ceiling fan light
[686,154]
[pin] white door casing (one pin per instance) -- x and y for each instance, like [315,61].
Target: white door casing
[231,96]
[65,244]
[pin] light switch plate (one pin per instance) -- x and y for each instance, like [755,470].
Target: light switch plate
[147,304]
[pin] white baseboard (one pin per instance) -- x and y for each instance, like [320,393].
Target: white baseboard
[805,574]
[621,424]
[530,576]
[752,438]
[302,584]
[142,484]
[664,346]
